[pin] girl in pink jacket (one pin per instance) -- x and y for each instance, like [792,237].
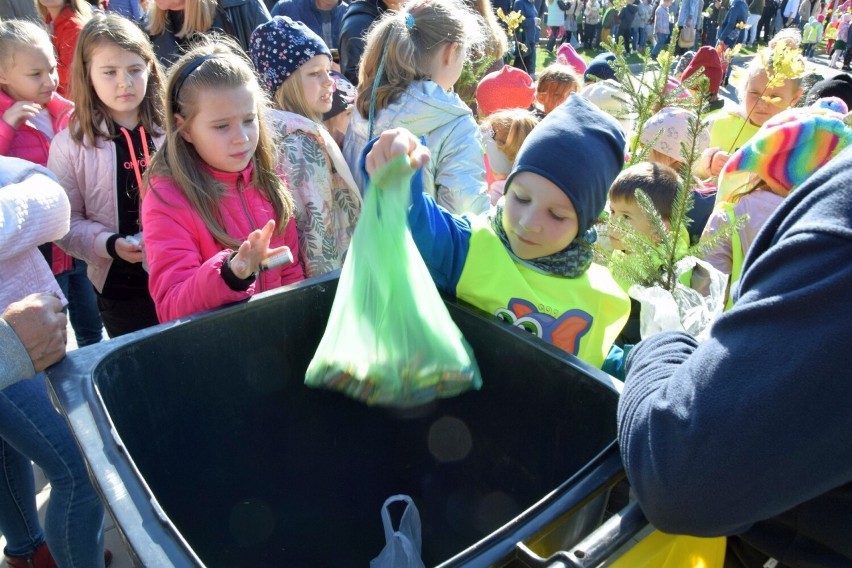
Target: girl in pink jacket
[31,115]
[101,158]
[218,218]
[65,19]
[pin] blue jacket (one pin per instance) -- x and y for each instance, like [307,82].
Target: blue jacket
[527,33]
[751,433]
[728,32]
[306,11]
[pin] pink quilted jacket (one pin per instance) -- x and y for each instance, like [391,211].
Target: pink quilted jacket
[184,259]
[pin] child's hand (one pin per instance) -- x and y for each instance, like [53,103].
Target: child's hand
[393,143]
[19,112]
[128,251]
[717,162]
[254,250]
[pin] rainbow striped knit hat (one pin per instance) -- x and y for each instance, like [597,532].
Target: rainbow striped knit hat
[786,150]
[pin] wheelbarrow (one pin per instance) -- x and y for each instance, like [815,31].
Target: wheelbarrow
[208,449]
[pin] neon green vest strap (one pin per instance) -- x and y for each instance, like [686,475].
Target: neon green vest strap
[737,257]
[582,316]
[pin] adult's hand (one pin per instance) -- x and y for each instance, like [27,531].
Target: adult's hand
[40,324]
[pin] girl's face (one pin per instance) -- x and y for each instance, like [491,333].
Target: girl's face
[317,84]
[30,75]
[170,4]
[53,6]
[224,131]
[628,211]
[761,103]
[538,217]
[120,79]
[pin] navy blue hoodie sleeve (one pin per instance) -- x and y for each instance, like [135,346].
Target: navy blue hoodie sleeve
[442,238]
[757,420]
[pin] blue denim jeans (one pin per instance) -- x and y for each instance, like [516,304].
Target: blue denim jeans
[82,304]
[662,42]
[32,430]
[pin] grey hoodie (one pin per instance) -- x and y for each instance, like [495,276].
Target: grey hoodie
[455,176]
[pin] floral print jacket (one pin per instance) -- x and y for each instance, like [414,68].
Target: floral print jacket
[328,202]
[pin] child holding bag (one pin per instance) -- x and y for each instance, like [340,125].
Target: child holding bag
[215,211]
[531,262]
[100,160]
[295,66]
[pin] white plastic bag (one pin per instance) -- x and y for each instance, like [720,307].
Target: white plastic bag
[691,310]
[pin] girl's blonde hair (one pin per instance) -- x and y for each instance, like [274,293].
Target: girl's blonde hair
[517,124]
[556,82]
[198,17]
[223,66]
[763,63]
[16,35]
[90,113]
[291,97]
[80,7]
[401,46]
[497,43]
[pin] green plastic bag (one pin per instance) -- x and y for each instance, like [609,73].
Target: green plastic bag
[389,340]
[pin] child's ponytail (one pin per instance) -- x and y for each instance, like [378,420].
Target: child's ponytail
[400,48]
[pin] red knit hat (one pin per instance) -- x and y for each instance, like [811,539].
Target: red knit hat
[708,58]
[509,87]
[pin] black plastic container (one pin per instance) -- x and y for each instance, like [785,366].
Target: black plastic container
[208,448]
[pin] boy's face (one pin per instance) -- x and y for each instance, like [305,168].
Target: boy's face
[629,212]
[761,103]
[538,217]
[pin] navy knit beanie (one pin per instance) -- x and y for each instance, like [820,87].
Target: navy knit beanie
[599,68]
[580,148]
[280,46]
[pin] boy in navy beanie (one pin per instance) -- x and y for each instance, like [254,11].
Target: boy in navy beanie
[529,262]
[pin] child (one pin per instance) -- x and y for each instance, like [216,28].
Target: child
[757,178]
[708,61]
[662,27]
[660,183]
[761,100]
[831,32]
[555,84]
[665,133]
[295,65]
[811,36]
[506,131]
[32,113]
[530,263]
[337,119]
[527,35]
[508,87]
[65,18]
[412,60]
[842,38]
[215,208]
[100,160]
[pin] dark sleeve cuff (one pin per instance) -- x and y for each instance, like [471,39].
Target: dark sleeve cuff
[110,247]
[234,283]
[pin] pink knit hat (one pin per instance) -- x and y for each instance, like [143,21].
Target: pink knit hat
[509,87]
[566,55]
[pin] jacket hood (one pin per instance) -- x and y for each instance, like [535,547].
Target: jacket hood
[423,107]
[370,7]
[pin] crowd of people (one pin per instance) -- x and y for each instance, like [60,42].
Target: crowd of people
[165,159]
